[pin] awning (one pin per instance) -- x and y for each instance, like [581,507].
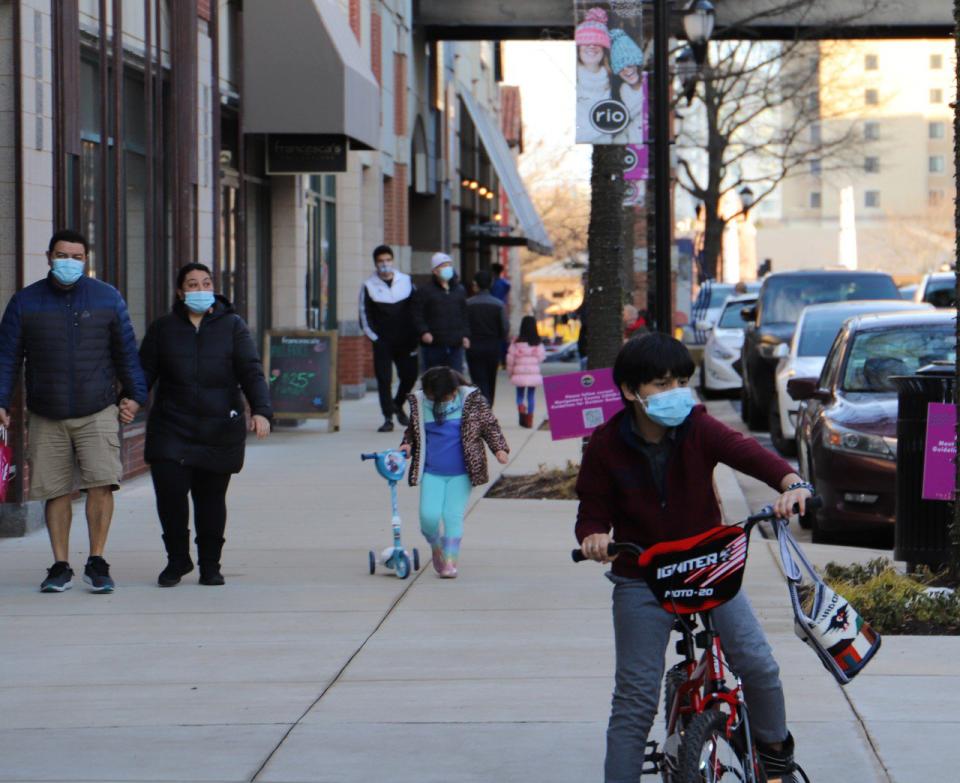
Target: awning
[304,72]
[502,159]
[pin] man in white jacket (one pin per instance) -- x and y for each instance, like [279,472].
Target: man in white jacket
[386,319]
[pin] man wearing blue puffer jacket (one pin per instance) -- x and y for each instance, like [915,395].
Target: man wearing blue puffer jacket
[82,375]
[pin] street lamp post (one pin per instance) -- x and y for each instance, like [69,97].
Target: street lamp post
[698,21]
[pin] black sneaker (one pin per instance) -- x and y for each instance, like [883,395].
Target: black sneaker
[97,575]
[175,570]
[402,419]
[210,575]
[779,765]
[387,426]
[59,578]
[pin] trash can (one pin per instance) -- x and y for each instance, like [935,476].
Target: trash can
[922,526]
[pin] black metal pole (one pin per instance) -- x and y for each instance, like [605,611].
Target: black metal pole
[661,164]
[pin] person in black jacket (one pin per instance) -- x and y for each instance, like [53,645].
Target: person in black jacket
[440,316]
[203,361]
[75,336]
[488,332]
[386,317]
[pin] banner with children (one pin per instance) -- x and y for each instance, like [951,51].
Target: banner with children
[611,88]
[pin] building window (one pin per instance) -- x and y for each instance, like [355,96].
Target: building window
[871,62]
[322,252]
[871,198]
[816,200]
[936,62]
[815,166]
[935,198]
[871,131]
[936,96]
[937,130]
[936,164]
[871,164]
[871,97]
[815,134]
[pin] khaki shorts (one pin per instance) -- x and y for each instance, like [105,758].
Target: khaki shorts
[69,454]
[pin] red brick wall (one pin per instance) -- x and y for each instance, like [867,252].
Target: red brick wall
[389,212]
[203,9]
[131,450]
[395,213]
[376,47]
[355,17]
[400,94]
[354,354]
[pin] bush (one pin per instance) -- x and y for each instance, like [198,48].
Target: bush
[895,603]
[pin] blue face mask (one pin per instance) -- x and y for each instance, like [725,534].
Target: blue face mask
[198,301]
[669,408]
[67,270]
[446,273]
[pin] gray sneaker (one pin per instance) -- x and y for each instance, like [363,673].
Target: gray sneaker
[59,578]
[97,575]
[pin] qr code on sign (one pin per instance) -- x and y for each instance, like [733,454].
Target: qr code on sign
[592,417]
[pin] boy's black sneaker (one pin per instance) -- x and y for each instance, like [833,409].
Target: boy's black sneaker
[210,575]
[779,765]
[97,575]
[59,578]
[175,570]
[387,426]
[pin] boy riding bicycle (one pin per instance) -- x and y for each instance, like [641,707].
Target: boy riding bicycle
[647,476]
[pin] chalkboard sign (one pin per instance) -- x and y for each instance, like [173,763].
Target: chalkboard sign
[301,368]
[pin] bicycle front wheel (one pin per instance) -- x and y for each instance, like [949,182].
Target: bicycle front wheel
[707,755]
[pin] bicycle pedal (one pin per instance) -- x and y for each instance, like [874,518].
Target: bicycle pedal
[652,759]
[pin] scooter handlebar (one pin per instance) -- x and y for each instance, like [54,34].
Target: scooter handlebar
[365,457]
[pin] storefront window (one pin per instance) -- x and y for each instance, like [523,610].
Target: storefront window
[321,252]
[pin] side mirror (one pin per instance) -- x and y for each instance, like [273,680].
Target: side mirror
[781,351]
[749,313]
[703,326]
[806,389]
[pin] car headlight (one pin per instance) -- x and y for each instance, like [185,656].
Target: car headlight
[719,351]
[843,439]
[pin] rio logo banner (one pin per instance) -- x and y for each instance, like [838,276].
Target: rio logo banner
[612,105]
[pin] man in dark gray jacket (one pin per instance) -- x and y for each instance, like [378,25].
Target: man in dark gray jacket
[75,336]
[488,333]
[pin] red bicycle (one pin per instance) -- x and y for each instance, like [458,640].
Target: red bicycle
[708,725]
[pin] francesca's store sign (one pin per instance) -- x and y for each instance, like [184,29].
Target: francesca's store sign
[612,105]
[939,470]
[300,153]
[579,402]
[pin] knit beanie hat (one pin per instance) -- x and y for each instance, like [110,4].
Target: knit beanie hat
[624,51]
[593,29]
[440,258]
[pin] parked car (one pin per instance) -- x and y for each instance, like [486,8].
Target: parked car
[717,371]
[706,308]
[847,428]
[564,352]
[772,321]
[937,288]
[816,330]
[909,292]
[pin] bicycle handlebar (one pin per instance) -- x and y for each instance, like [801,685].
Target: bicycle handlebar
[766,513]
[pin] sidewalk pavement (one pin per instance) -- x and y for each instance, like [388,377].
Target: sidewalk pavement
[305,668]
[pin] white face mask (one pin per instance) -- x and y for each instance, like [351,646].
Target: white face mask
[385,268]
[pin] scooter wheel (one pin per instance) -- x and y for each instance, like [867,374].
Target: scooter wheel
[416,559]
[402,565]
[373,562]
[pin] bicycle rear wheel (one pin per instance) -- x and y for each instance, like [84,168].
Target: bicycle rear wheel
[707,755]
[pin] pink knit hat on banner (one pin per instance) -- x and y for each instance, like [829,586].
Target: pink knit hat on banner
[593,29]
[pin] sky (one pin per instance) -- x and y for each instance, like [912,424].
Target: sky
[545,73]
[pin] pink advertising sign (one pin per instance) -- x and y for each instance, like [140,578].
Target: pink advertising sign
[939,470]
[579,402]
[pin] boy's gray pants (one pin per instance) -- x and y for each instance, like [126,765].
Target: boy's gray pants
[642,631]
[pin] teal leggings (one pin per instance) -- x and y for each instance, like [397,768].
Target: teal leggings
[443,497]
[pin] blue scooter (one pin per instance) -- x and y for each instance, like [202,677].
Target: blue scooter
[392,465]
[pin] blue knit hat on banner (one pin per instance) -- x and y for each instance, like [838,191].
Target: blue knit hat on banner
[624,51]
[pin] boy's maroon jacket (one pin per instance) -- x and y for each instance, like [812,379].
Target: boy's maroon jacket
[617,491]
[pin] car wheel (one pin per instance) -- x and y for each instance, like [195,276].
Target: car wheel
[744,404]
[788,448]
[755,418]
[705,393]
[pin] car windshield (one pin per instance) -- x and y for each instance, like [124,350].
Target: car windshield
[784,298]
[731,318]
[940,292]
[818,332]
[878,354]
[713,295]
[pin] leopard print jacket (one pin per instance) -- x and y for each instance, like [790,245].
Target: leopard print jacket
[478,425]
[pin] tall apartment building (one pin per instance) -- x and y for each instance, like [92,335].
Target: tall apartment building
[899,166]
[277,141]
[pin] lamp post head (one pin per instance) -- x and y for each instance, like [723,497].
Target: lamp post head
[698,20]
[746,198]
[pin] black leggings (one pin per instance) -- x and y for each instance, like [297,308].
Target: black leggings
[172,483]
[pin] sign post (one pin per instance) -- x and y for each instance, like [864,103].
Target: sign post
[301,368]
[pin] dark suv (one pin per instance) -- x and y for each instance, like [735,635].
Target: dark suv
[772,320]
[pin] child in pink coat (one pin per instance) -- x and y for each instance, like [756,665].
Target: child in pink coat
[523,367]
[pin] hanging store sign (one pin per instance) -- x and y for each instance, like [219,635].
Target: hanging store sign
[612,103]
[306,153]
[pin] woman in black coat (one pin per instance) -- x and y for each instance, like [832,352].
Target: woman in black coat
[204,361]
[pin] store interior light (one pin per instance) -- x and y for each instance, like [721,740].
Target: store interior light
[490,195]
[497,216]
[482,191]
[474,185]
[466,183]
